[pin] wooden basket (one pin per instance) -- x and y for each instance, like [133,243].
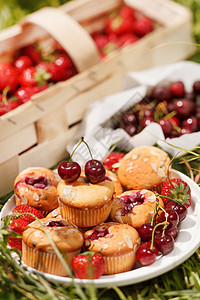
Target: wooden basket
[36,133]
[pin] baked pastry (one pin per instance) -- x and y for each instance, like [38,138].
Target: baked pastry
[37,251]
[37,187]
[54,214]
[83,203]
[134,207]
[117,243]
[144,168]
[115,180]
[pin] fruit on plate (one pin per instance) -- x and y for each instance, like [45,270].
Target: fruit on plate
[122,27]
[177,190]
[18,225]
[112,161]
[88,265]
[175,109]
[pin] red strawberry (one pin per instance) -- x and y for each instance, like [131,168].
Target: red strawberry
[33,76]
[15,243]
[127,12]
[142,26]
[22,63]
[88,265]
[112,161]
[8,77]
[177,190]
[24,94]
[19,225]
[33,52]
[101,40]
[127,39]
[23,208]
[119,25]
[61,68]
[7,104]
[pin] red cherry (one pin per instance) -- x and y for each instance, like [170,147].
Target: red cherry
[184,108]
[130,119]
[161,93]
[170,230]
[94,171]
[177,89]
[145,231]
[146,121]
[190,123]
[146,256]
[165,244]
[166,126]
[131,129]
[69,171]
[196,87]
[179,208]
[172,217]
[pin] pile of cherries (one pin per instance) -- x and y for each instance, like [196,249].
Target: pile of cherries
[122,27]
[160,234]
[71,170]
[177,111]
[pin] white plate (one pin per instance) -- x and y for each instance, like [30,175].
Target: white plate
[186,244]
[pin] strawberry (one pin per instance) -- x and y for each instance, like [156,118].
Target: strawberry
[23,208]
[8,104]
[19,225]
[88,265]
[142,26]
[127,12]
[33,52]
[34,76]
[22,63]
[8,77]
[112,161]
[127,39]
[118,25]
[101,40]
[24,94]
[177,190]
[61,68]
[15,243]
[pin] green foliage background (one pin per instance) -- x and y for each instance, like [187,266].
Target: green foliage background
[182,283]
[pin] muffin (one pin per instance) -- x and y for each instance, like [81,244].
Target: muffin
[37,251]
[83,203]
[115,180]
[144,168]
[37,187]
[134,207]
[54,214]
[117,243]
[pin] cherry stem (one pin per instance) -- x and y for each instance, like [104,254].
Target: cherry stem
[155,209]
[153,233]
[75,150]
[5,92]
[82,140]
[165,226]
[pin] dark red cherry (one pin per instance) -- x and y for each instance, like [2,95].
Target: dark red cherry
[69,171]
[196,87]
[166,126]
[146,256]
[184,108]
[190,123]
[130,119]
[145,231]
[185,130]
[131,129]
[190,96]
[146,121]
[146,113]
[177,89]
[161,93]
[179,208]
[172,217]
[170,229]
[165,244]
[94,171]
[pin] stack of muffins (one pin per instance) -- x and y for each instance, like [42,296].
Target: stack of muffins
[103,216]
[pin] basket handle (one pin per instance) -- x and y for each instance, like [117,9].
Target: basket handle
[70,34]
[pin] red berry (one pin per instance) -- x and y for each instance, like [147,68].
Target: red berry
[170,216]
[179,208]
[165,244]
[15,243]
[196,87]
[24,94]
[177,89]
[166,126]
[101,40]
[23,208]
[190,123]
[184,108]
[22,63]
[177,190]
[131,129]
[112,161]
[161,93]
[127,39]
[8,77]
[69,171]
[130,119]
[94,171]
[145,231]
[88,265]
[119,25]
[33,76]
[18,225]
[145,255]
[142,26]
[33,52]
[127,12]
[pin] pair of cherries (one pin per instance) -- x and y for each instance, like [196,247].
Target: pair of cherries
[71,170]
